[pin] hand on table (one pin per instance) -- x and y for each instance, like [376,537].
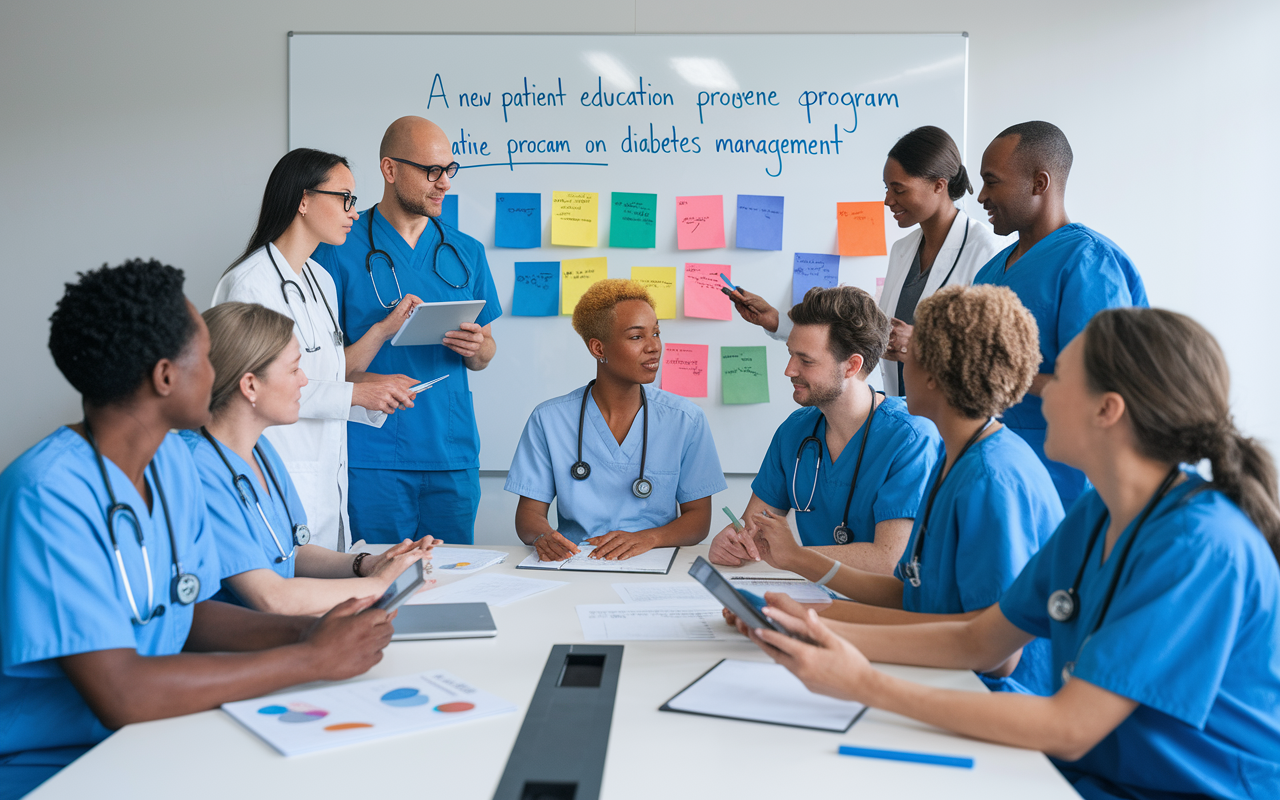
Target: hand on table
[899,338]
[554,547]
[622,544]
[349,640]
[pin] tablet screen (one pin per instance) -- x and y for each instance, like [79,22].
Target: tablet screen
[402,588]
[729,597]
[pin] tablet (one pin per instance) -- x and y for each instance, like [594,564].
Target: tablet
[402,588]
[429,322]
[444,621]
[746,609]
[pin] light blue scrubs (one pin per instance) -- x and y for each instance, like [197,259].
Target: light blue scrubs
[61,593]
[243,541]
[1191,635]
[439,433]
[900,455]
[682,464]
[995,509]
[1063,280]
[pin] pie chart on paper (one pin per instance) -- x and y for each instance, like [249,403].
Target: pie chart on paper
[405,697]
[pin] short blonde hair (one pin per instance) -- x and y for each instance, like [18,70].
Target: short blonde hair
[980,344]
[244,339]
[594,315]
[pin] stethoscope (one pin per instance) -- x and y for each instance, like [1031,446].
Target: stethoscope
[580,469]
[1064,604]
[963,241]
[435,262]
[186,586]
[842,534]
[911,569]
[311,284]
[301,533]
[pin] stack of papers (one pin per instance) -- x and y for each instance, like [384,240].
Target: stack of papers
[494,589]
[631,622]
[295,723]
[464,559]
[657,560]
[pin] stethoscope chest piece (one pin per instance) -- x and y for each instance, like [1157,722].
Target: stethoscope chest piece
[186,588]
[842,534]
[911,571]
[301,534]
[580,470]
[642,488]
[1063,606]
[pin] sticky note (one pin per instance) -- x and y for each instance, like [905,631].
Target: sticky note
[813,269]
[744,375]
[861,228]
[537,290]
[449,210]
[700,222]
[760,222]
[633,220]
[879,289]
[702,295]
[518,220]
[684,369]
[661,283]
[574,219]
[576,277]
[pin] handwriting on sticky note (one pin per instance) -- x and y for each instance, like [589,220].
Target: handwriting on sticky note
[537,289]
[518,220]
[702,295]
[574,219]
[744,375]
[633,220]
[759,222]
[861,228]
[700,222]
[576,276]
[813,269]
[661,283]
[684,369]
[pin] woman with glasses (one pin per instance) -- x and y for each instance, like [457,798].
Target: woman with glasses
[257,521]
[309,201]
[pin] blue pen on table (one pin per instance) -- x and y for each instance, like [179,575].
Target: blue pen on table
[915,758]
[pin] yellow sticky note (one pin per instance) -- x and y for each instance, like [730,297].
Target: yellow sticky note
[661,283]
[574,219]
[576,277]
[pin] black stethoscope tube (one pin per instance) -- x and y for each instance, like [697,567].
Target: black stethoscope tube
[842,533]
[581,470]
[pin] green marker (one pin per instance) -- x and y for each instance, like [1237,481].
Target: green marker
[737,526]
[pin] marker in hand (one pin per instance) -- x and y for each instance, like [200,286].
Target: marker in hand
[737,526]
[728,283]
[423,386]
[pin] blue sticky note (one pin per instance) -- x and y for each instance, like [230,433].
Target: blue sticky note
[760,222]
[519,220]
[537,292]
[449,214]
[813,269]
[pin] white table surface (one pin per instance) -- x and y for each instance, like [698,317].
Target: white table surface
[652,754]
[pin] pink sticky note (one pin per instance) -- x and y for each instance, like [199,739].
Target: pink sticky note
[702,295]
[700,222]
[684,369]
[879,290]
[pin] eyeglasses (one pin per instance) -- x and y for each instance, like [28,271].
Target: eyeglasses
[348,199]
[433,171]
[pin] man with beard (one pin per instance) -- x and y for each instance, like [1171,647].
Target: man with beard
[419,473]
[852,463]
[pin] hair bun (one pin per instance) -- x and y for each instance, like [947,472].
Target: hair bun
[959,185]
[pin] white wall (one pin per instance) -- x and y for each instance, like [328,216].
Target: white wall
[147,128]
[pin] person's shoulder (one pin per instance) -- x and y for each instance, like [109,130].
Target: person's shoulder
[681,406]
[905,247]
[555,406]
[461,240]
[256,268]
[995,264]
[355,246]
[893,411]
[1005,462]
[1203,519]
[55,458]
[802,419]
[1080,238]
[194,441]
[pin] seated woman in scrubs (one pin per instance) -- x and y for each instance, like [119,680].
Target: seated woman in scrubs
[1160,591]
[258,522]
[991,503]
[633,468]
[107,562]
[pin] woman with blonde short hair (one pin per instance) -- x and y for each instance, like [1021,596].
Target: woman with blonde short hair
[631,468]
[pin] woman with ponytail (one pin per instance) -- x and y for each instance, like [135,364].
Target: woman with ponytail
[1159,592]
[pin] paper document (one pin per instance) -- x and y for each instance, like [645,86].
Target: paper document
[763,692]
[494,588]
[686,592]
[658,560]
[319,719]
[625,622]
[800,591]
[464,559]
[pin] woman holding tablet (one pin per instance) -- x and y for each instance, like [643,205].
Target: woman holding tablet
[991,503]
[633,468]
[310,199]
[258,523]
[1160,591]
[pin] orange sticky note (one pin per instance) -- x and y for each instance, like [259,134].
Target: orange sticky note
[684,369]
[702,295]
[700,222]
[861,228]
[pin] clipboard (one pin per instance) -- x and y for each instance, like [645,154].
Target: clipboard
[429,322]
[752,691]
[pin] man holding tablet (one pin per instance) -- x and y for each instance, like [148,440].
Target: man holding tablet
[419,474]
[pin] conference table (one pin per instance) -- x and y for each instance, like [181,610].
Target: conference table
[651,753]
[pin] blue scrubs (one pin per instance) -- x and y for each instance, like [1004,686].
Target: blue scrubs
[243,541]
[1063,280]
[1190,636]
[61,592]
[439,433]
[682,464]
[891,484]
[995,509]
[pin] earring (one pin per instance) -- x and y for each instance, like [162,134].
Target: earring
[253,404]
[603,360]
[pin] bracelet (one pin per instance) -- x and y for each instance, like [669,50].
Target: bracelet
[831,573]
[356,562]
[534,543]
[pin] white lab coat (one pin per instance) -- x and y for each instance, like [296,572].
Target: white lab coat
[314,449]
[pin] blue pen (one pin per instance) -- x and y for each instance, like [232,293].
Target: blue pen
[915,758]
[728,283]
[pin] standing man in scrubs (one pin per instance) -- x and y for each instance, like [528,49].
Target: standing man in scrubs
[419,474]
[1062,271]
[852,463]
[107,563]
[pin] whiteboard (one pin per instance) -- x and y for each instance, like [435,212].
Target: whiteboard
[491,93]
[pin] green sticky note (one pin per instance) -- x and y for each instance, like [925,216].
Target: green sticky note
[633,220]
[744,375]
